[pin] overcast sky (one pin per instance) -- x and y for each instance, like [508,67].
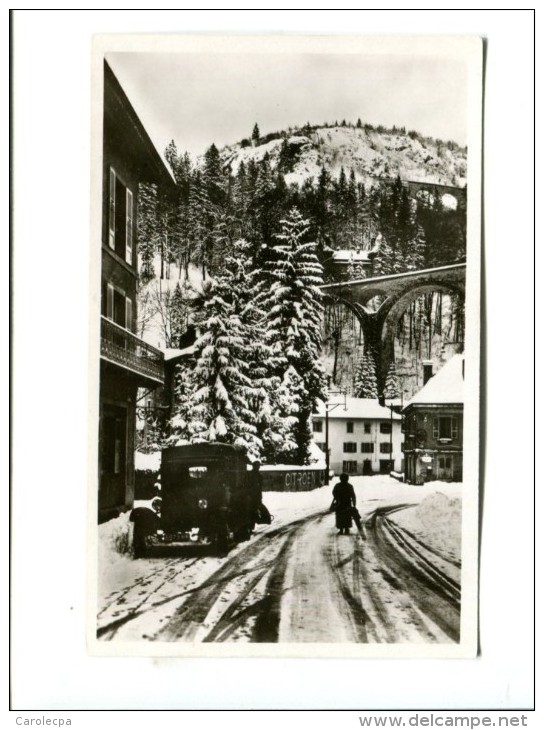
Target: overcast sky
[197,99]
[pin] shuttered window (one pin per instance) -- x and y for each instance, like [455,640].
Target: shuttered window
[109,301]
[128,314]
[129,224]
[111,210]
[120,218]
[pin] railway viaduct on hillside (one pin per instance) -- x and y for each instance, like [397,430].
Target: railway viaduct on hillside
[435,189]
[398,291]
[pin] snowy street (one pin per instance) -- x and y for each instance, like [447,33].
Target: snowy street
[297,580]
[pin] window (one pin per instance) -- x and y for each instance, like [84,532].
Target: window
[120,218]
[444,462]
[118,307]
[385,447]
[128,228]
[349,467]
[367,447]
[367,427]
[445,427]
[318,426]
[349,427]
[385,427]
[350,447]
[321,445]
[128,313]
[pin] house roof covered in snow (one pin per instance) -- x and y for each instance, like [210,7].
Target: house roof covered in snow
[446,387]
[347,256]
[368,408]
[172,352]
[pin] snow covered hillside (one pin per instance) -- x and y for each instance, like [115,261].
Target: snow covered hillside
[373,154]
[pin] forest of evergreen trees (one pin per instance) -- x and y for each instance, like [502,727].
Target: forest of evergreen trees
[263,248]
[214,208]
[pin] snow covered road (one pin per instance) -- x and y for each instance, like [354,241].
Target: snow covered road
[297,580]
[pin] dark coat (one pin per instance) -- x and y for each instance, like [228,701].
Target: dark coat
[255,481]
[343,503]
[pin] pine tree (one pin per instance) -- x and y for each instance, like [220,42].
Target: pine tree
[391,388]
[179,313]
[355,271]
[255,135]
[284,400]
[221,404]
[201,222]
[147,230]
[183,389]
[366,383]
[173,159]
[214,177]
[293,319]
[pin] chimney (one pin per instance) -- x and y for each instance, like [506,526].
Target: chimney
[427,371]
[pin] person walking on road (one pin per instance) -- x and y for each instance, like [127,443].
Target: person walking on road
[343,504]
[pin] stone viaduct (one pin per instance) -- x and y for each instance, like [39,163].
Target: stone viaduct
[398,291]
[435,189]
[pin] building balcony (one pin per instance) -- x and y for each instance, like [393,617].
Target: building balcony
[124,349]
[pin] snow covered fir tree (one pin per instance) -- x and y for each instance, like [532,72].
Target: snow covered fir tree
[366,384]
[291,276]
[257,374]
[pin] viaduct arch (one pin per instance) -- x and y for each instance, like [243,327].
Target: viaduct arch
[398,290]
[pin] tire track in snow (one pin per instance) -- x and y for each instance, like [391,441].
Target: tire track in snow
[431,611]
[190,616]
[118,597]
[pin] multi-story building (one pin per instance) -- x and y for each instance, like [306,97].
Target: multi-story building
[363,436]
[126,361]
[433,425]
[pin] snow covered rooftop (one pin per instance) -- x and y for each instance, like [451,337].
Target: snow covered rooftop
[347,256]
[172,352]
[356,408]
[444,387]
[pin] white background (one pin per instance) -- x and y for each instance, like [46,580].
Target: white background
[51,55]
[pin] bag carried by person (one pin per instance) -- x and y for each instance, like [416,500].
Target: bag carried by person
[263,516]
[358,521]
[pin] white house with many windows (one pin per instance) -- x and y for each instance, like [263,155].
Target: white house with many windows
[363,436]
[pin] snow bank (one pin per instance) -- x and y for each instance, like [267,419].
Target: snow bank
[147,462]
[114,536]
[436,521]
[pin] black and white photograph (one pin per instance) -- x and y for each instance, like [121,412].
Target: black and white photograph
[271,367]
[288,325]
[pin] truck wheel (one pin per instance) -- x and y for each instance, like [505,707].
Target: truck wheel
[243,534]
[140,547]
[221,543]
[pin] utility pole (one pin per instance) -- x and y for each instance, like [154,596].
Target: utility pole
[391,460]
